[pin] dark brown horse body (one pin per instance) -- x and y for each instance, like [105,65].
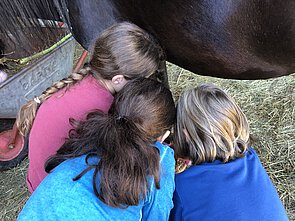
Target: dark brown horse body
[240,39]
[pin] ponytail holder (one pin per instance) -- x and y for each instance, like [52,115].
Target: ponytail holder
[37,100]
[182,164]
[121,119]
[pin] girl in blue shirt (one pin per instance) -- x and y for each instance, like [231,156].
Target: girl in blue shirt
[219,176]
[111,168]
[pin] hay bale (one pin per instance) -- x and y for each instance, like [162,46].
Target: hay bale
[270,108]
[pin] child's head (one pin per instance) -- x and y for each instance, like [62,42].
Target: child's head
[148,104]
[210,126]
[125,49]
[122,52]
[140,114]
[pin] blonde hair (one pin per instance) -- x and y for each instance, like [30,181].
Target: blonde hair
[210,126]
[124,49]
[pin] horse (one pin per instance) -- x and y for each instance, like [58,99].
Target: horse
[241,39]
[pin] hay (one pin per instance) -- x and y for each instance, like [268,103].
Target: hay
[270,108]
[13,191]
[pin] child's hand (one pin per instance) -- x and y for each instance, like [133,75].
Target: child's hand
[182,165]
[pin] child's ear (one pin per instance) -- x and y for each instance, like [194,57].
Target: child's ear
[118,82]
[118,79]
[164,136]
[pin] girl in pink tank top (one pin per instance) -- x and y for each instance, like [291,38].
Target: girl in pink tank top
[122,52]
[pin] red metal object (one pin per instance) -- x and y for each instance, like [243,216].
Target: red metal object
[81,61]
[11,144]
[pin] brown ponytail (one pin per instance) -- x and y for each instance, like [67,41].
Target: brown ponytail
[123,141]
[27,113]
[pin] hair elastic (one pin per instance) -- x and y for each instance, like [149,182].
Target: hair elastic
[121,119]
[37,100]
[182,165]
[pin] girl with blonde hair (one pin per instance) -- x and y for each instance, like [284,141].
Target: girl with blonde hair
[114,165]
[122,52]
[220,177]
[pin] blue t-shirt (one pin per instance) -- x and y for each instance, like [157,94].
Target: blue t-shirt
[58,197]
[239,190]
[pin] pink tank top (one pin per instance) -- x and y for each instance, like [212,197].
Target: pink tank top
[51,125]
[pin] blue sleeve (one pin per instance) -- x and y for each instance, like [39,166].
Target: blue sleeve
[176,212]
[159,201]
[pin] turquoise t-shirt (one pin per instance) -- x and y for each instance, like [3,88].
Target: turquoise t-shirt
[58,197]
